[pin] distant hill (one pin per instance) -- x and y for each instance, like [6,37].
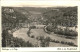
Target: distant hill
[59,15]
[63,16]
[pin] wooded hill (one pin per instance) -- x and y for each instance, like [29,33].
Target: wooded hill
[64,16]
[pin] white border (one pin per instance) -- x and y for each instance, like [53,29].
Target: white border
[42,4]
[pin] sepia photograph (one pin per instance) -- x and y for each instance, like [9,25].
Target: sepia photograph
[39,26]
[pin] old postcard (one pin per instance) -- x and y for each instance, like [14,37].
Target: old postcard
[40,26]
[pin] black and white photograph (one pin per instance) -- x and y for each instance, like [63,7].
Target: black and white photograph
[40,26]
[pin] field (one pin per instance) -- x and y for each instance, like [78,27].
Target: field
[22,33]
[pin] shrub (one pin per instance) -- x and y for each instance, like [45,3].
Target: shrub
[49,29]
[41,38]
[28,33]
[29,44]
[53,40]
[32,36]
[66,32]
[47,39]
[32,27]
[37,38]
[42,44]
[56,41]
[44,41]
[62,42]
[68,43]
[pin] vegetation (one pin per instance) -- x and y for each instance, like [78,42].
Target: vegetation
[66,32]
[62,42]
[44,41]
[13,17]
[65,16]
[32,36]
[9,41]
